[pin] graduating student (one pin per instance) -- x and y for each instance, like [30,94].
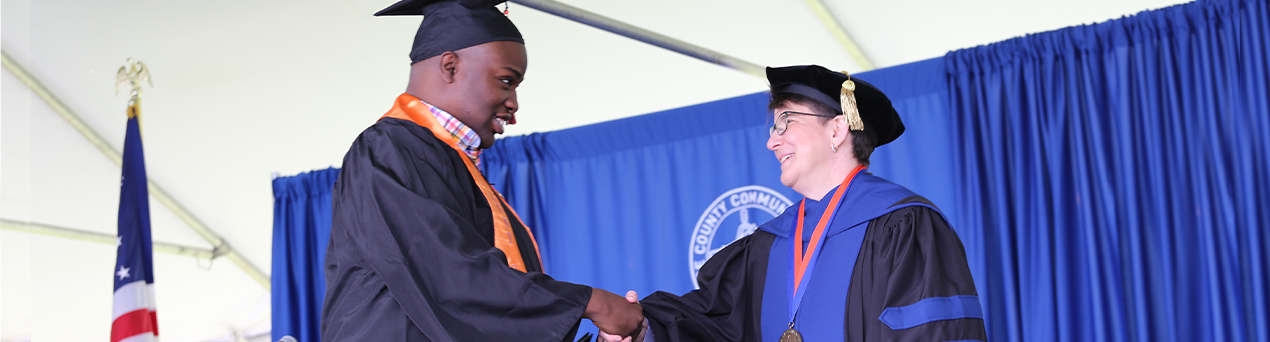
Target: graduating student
[859,259]
[422,248]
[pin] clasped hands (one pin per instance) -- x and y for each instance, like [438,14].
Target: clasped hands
[619,319]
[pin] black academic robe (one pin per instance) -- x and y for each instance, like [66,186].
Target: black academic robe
[907,255]
[412,257]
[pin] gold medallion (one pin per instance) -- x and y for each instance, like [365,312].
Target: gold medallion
[791,335]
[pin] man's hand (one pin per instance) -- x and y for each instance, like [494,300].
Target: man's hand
[632,297]
[614,314]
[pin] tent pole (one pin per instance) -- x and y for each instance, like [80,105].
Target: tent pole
[83,235]
[631,31]
[840,33]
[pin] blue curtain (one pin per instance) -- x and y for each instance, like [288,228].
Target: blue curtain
[1120,176]
[1110,182]
[301,229]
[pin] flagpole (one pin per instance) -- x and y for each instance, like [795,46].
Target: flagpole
[135,311]
[132,73]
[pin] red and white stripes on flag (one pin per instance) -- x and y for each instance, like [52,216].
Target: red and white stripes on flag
[134,314]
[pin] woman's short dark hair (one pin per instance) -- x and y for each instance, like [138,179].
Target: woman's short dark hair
[861,145]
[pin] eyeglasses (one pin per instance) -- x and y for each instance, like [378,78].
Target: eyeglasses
[782,122]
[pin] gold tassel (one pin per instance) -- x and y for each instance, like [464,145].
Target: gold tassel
[849,107]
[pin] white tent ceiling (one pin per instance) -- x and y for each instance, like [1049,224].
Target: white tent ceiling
[246,89]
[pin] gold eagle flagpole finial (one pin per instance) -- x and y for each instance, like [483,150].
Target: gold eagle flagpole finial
[132,73]
[849,107]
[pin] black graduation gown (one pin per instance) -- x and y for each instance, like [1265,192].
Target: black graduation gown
[906,255]
[412,257]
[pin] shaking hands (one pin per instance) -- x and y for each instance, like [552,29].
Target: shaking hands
[619,319]
[638,336]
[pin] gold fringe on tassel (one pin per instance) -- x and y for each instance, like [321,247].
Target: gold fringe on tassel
[849,107]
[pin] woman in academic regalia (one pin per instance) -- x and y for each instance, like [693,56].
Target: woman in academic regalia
[859,259]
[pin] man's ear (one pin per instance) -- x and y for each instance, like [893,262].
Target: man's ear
[449,65]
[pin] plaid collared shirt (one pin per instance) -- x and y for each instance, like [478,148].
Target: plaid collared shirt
[469,141]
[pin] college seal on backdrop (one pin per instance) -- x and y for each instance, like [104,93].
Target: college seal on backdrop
[735,214]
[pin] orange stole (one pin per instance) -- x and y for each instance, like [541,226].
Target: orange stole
[411,109]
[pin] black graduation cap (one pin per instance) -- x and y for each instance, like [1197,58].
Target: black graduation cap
[867,108]
[451,25]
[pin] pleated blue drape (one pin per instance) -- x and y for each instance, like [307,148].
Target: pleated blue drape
[1110,182]
[301,229]
[1121,176]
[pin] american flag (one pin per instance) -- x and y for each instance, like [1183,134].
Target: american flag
[134,309]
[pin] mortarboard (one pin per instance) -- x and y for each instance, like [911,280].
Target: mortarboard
[867,108]
[451,25]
